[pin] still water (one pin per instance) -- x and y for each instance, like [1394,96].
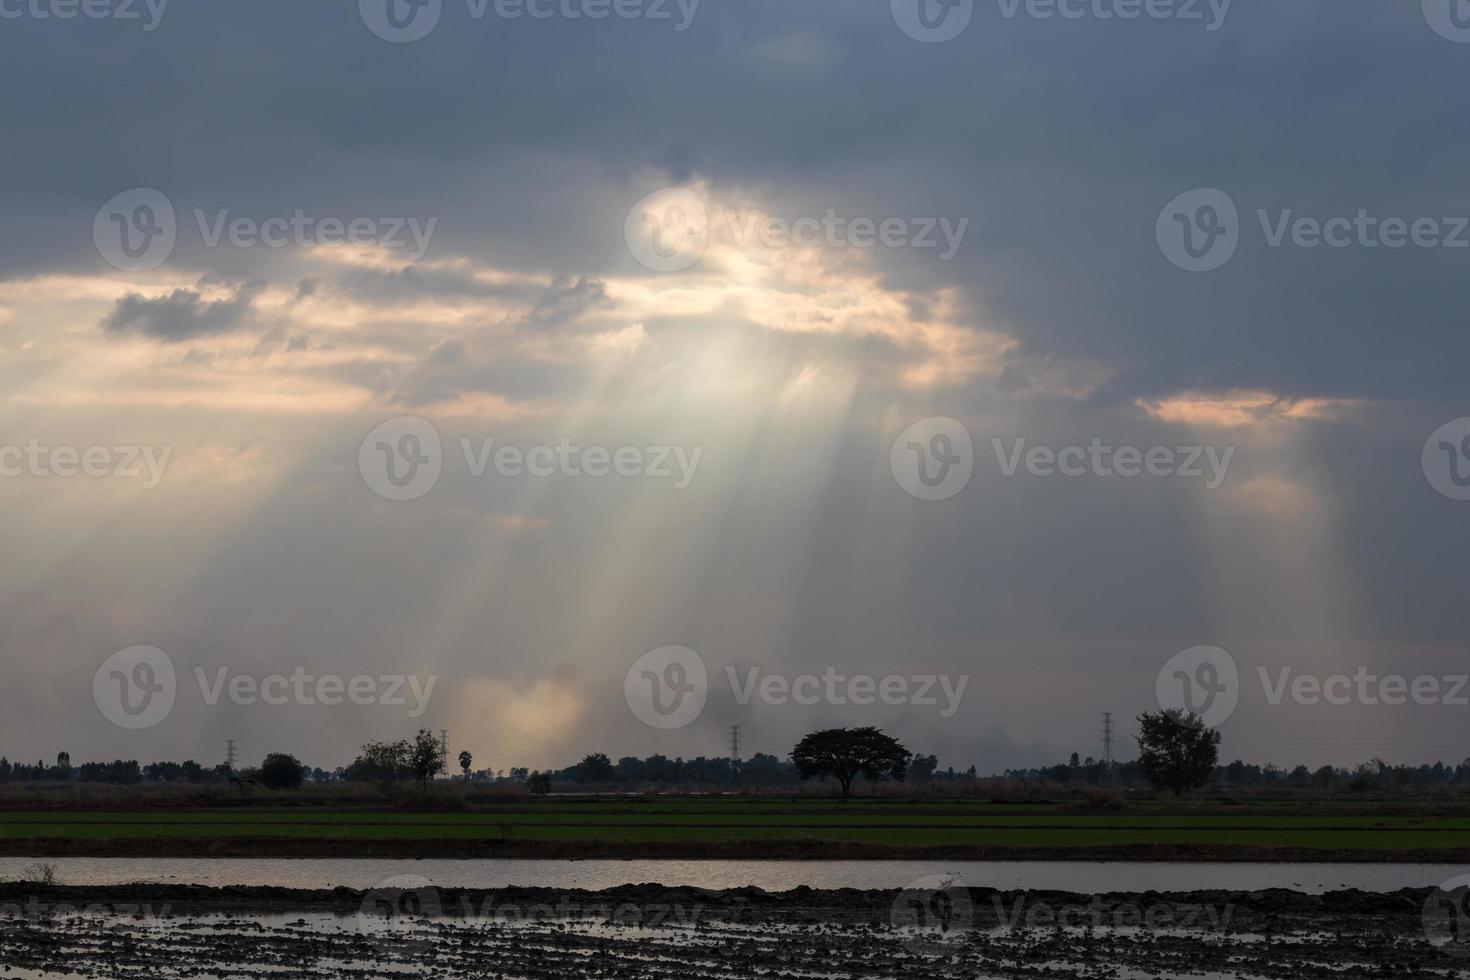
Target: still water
[769,875]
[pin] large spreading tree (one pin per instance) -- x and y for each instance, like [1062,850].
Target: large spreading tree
[1176,750]
[847,753]
[382,762]
[596,768]
[282,771]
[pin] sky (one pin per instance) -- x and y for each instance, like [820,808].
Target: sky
[488,350]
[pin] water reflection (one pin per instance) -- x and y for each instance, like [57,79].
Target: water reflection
[769,875]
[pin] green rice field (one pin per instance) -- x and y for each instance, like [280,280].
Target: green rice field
[715,819]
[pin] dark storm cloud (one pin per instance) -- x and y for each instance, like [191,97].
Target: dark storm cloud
[1061,140]
[182,314]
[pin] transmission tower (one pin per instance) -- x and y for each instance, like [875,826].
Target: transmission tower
[1107,739]
[735,745]
[230,754]
[444,746]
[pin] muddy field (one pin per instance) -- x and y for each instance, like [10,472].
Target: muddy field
[931,930]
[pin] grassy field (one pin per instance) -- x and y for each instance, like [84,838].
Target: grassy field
[923,823]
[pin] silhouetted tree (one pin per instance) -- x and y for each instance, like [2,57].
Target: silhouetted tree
[1176,750]
[381,762]
[282,771]
[849,752]
[425,757]
[922,768]
[596,768]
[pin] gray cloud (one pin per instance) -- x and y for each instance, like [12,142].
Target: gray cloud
[567,300]
[990,126]
[182,314]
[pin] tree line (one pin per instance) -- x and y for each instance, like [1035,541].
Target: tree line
[1176,752]
[1374,775]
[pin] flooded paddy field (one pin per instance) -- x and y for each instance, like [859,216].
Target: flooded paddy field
[777,875]
[933,929]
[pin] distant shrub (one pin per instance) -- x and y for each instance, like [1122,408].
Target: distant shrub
[41,873]
[1100,798]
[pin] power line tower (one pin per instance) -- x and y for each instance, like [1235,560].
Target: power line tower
[1107,740]
[734,745]
[230,754]
[444,747]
